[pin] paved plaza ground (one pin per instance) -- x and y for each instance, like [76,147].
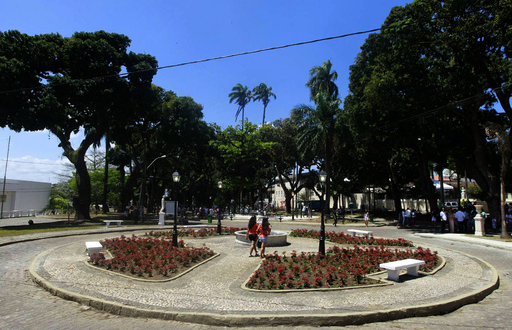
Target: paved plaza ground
[211,297]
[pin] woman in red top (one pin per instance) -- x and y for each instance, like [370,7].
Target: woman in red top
[263,231]
[252,235]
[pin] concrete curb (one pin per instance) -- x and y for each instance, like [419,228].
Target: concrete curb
[330,319]
[86,263]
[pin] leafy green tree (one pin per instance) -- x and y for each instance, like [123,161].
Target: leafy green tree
[378,105]
[70,84]
[290,163]
[60,198]
[173,126]
[113,184]
[245,161]
[431,76]
[241,95]
[263,93]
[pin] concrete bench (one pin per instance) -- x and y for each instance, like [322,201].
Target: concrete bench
[93,248]
[395,267]
[119,222]
[196,226]
[357,231]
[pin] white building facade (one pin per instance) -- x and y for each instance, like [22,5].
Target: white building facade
[23,198]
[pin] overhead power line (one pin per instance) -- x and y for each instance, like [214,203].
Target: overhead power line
[201,61]
[36,163]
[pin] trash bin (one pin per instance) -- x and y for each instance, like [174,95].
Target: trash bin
[210,219]
[371,218]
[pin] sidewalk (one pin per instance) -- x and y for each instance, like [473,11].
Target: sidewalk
[480,240]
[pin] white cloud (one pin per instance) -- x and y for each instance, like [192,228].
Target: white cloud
[35,169]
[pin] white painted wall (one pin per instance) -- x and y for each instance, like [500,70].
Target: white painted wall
[24,197]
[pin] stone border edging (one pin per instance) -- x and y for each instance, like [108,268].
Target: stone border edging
[215,255]
[384,282]
[218,319]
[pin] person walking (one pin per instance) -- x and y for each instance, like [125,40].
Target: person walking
[408,221]
[444,219]
[366,218]
[337,215]
[459,215]
[264,230]
[252,235]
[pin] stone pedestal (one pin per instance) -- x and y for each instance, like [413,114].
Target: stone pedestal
[161,218]
[161,214]
[479,222]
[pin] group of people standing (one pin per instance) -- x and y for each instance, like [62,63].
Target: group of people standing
[461,221]
[258,232]
[407,218]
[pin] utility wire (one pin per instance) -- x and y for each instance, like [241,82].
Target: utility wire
[37,163]
[198,61]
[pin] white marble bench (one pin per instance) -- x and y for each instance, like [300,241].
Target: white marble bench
[119,222]
[93,248]
[357,231]
[395,267]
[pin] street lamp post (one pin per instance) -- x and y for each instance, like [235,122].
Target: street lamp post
[322,176]
[219,214]
[142,186]
[176,178]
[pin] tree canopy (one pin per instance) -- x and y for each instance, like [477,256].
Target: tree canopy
[88,82]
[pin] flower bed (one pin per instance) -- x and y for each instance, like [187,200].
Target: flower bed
[342,238]
[149,257]
[203,232]
[341,267]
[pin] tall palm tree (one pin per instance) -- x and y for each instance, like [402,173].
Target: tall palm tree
[317,132]
[242,96]
[322,80]
[318,125]
[263,93]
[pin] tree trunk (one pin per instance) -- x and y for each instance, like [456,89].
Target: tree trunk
[124,200]
[488,181]
[105,178]
[82,200]
[428,186]
[397,196]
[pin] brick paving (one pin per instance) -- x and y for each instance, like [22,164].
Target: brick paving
[24,305]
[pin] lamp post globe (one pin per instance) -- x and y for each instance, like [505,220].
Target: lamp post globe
[322,176]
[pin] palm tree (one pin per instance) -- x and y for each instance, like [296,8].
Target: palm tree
[322,80]
[263,93]
[242,96]
[318,133]
[318,124]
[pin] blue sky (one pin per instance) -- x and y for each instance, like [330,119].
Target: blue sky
[182,31]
